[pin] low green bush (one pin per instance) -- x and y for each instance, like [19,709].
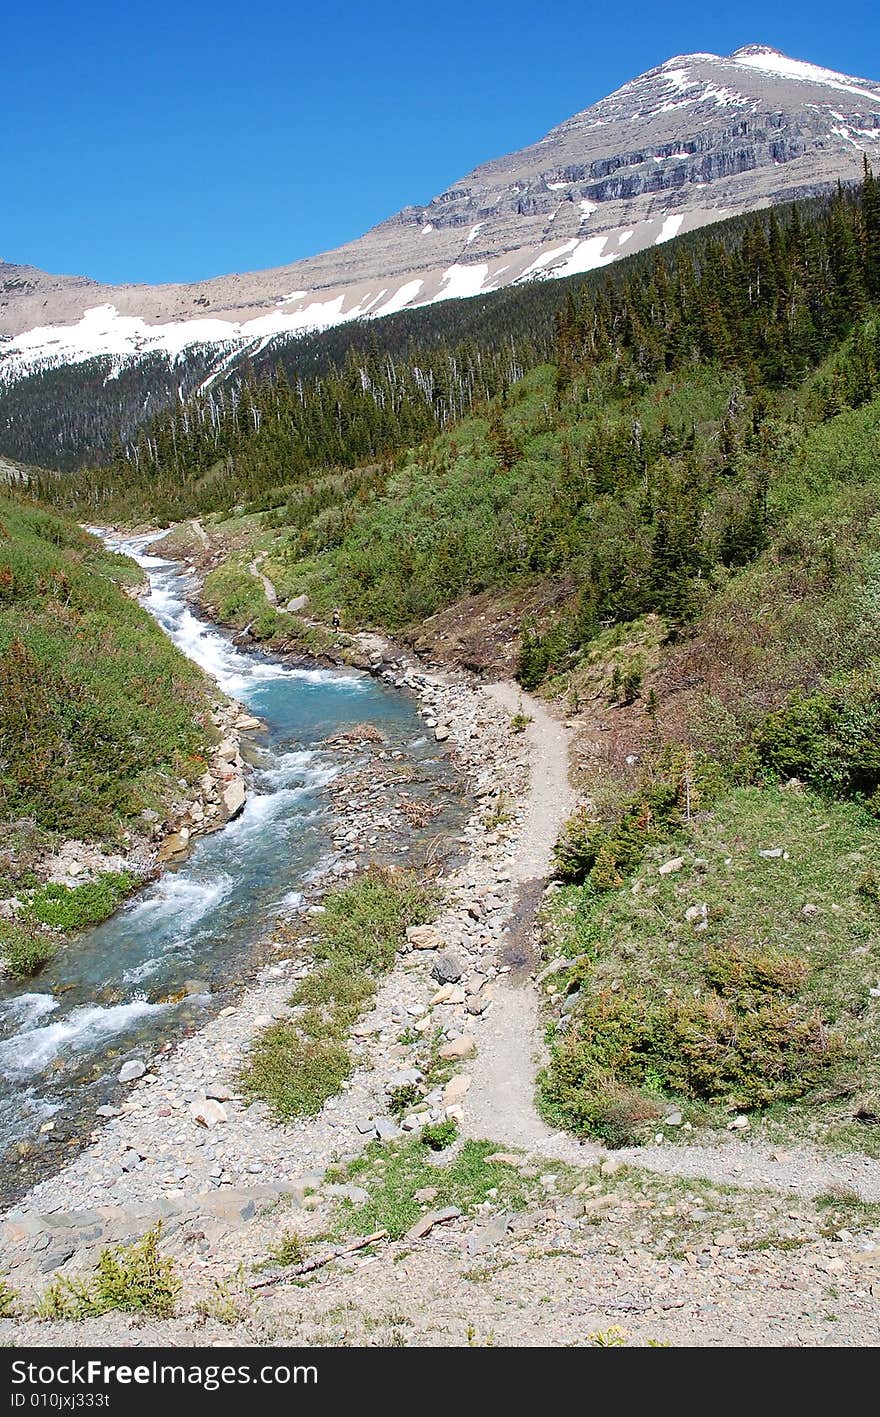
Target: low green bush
[74,907]
[24,949]
[439,1135]
[135,1279]
[829,739]
[744,1048]
[295,1067]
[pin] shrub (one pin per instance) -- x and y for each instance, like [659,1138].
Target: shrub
[74,907]
[24,949]
[8,1300]
[749,1051]
[830,739]
[439,1135]
[133,1278]
[403,1099]
[748,976]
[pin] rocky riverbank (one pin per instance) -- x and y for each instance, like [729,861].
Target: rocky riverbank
[182,1130]
[196,808]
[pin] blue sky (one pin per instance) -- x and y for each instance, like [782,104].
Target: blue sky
[172,141]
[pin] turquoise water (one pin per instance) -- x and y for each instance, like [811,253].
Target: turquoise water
[105,997]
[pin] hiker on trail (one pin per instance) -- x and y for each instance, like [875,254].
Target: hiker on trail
[336,620]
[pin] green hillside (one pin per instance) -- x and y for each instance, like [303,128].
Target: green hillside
[99,713]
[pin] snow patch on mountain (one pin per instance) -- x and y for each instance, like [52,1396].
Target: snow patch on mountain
[770,61]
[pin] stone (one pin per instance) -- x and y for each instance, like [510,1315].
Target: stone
[234,797]
[386,1129]
[669,868]
[672,1119]
[424,937]
[356,1194]
[228,750]
[695,913]
[774,853]
[488,1234]
[478,1003]
[219,1092]
[441,733]
[426,1194]
[456,1088]
[610,1165]
[739,1124]
[461,1047]
[406,1077]
[504,1158]
[208,1113]
[426,1224]
[299,602]
[571,1001]
[248,720]
[108,1110]
[174,845]
[131,1071]
[554,967]
[446,968]
[867,1259]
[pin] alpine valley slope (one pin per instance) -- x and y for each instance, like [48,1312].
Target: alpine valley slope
[697,139]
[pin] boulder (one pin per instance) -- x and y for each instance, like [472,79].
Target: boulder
[426,1224]
[669,868]
[174,845]
[424,937]
[456,1089]
[461,1047]
[206,1112]
[446,968]
[234,797]
[131,1071]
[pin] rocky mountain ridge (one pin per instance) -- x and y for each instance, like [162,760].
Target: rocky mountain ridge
[696,139]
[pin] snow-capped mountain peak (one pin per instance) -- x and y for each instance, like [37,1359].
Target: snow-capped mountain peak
[697,138]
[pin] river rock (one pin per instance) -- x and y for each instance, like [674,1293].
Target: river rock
[208,1113]
[228,750]
[132,1070]
[441,733]
[218,1092]
[446,968]
[174,845]
[456,1089]
[426,1224]
[424,937]
[234,797]
[461,1047]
